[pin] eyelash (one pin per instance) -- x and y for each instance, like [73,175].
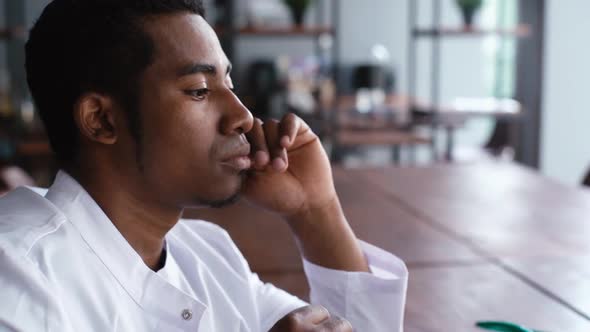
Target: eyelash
[198,94]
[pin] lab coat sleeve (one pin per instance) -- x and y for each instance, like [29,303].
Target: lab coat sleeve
[370,301]
[271,303]
[28,304]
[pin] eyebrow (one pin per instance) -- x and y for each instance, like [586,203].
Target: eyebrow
[196,68]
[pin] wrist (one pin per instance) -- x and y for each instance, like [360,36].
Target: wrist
[317,216]
[325,238]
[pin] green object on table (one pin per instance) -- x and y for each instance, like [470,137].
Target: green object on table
[503,327]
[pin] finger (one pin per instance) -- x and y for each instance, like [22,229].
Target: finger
[336,324]
[259,150]
[289,127]
[314,314]
[278,154]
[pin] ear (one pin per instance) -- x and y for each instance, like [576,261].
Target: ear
[95,118]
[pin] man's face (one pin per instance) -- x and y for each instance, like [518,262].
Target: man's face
[193,150]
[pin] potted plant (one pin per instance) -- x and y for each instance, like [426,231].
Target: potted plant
[297,8]
[468,9]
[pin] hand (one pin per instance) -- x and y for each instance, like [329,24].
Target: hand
[311,319]
[291,171]
[292,176]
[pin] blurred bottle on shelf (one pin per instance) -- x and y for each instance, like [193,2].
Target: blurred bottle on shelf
[373,80]
[28,115]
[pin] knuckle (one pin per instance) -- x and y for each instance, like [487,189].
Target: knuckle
[338,324]
[343,324]
[322,309]
[297,316]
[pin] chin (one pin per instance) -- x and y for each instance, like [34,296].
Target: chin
[217,204]
[229,195]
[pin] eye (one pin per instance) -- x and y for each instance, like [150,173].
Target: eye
[198,94]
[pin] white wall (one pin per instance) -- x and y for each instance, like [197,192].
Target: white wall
[565,148]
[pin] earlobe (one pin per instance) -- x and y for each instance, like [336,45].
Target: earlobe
[94,116]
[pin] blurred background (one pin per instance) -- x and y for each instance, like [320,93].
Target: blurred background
[381,81]
[459,131]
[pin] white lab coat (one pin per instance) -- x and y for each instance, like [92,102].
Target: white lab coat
[65,267]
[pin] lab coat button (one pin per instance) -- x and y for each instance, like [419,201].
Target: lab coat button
[187,314]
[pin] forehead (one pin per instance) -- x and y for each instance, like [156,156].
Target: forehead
[181,39]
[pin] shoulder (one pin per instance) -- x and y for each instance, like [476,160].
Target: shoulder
[29,301]
[25,217]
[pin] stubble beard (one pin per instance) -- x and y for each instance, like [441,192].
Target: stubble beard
[232,199]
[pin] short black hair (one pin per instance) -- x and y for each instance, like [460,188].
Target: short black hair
[80,46]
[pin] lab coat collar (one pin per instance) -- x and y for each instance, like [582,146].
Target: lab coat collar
[149,290]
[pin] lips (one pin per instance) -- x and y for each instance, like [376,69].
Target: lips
[238,159]
[238,163]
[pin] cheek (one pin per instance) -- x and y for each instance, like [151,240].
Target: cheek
[180,136]
[179,154]
[179,151]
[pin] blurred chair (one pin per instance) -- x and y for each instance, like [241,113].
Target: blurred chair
[586,180]
[500,145]
[501,140]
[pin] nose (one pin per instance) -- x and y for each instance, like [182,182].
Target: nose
[237,119]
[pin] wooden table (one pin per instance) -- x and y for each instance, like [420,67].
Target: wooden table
[401,111]
[488,241]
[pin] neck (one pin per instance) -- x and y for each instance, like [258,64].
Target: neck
[141,218]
